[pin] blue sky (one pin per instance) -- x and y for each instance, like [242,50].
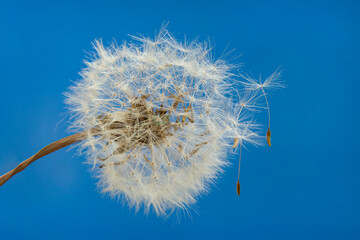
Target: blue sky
[305,186]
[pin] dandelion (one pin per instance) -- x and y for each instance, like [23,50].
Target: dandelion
[157,119]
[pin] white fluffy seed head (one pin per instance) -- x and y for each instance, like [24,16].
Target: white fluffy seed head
[161,118]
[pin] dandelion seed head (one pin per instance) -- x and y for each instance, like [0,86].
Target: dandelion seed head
[164,117]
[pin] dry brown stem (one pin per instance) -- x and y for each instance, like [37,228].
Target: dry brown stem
[64,142]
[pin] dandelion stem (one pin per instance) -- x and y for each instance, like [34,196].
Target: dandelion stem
[239,160]
[267,104]
[59,144]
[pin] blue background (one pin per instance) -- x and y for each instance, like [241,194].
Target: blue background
[304,187]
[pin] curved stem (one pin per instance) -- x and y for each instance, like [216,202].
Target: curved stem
[267,104]
[64,142]
[239,161]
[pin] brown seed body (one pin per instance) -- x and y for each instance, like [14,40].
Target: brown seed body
[236,142]
[238,188]
[268,137]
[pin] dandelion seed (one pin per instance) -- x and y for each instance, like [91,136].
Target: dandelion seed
[272,82]
[268,135]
